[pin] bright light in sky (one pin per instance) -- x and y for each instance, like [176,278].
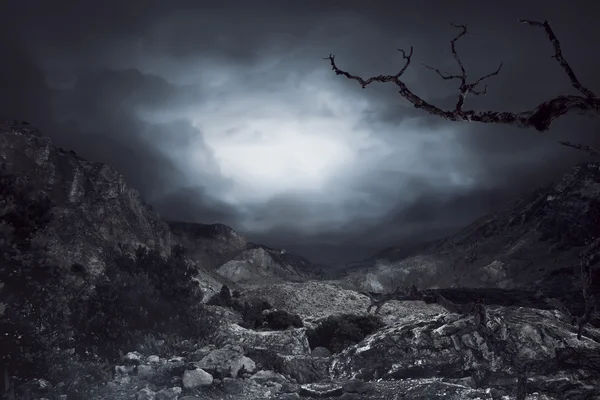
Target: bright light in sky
[285,159]
[270,145]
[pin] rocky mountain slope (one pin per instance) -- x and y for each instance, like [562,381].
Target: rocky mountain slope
[219,248]
[535,242]
[95,214]
[94,210]
[272,338]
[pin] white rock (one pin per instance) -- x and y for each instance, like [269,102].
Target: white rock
[145,394]
[153,359]
[196,377]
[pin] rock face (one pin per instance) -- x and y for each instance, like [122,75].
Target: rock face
[95,209]
[534,242]
[209,245]
[258,266]
[536,341]
[219,248]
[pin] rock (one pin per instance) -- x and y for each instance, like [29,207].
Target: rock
[260,265]
[95,208]
[124,369]
[290,387]
[153,359]
[232,386]
[350,396]
[132,358]
[145,394]
[145,372]
[168,394]
[176,359]
[292,342]
[305,369]
[199,354]
[357,386]
[321,352]
[226,362]
[517,337]
[320,390]
[262,377]
[288,396]
[196,377]
[210,245]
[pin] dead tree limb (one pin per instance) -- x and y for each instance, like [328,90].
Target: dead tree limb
[539,118]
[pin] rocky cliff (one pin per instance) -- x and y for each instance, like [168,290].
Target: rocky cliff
[94,208]
[535,242]
[210,245]
[217,247]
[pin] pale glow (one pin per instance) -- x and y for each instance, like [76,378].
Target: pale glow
[270,145]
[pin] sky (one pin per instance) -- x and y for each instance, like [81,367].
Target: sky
[226,111]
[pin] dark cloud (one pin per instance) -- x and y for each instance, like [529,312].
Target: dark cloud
[226,112]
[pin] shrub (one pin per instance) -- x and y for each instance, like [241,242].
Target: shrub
[223,298]
[141,295]
[252,312]
[280,320]
[339,332]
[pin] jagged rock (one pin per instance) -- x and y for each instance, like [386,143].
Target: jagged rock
[196,377]
[202,352]
[291,341]
[153,359]
[95,209]
[263,377]
[145,394]
[321,390]
[321,352]
[310,300]
[226,362]
[124,369]
[232,386]
[522,338]
[288,396]
[357,386]
[145,372]
[132,358]
[211,245]
[305,369]
[256,265]
[168,394]
[289,387]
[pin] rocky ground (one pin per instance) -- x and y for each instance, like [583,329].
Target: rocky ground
[520,347]
[424,352]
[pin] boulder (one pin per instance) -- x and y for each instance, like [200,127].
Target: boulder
[226,362]
[196,377]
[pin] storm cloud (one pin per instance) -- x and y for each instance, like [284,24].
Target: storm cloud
[227,112]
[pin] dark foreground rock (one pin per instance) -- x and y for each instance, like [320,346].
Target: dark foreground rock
[522,343]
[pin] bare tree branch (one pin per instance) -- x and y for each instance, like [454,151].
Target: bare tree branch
[558,56]
[539,118]
[583,147]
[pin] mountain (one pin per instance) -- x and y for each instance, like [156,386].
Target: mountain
[210,245]
[534,243]
[219,248]
[139,328]
[94,210]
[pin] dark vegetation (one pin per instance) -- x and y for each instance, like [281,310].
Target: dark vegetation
[341,331]
[256,313]
[58,322]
